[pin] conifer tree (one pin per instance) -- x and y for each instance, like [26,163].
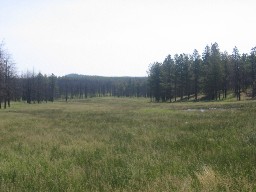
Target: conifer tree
[237,78]
[253,71]
[196,72]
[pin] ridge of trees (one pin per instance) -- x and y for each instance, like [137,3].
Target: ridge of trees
[36,88]
[184,77]
[213,74]
[83,86]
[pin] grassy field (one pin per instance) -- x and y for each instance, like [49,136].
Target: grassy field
[117,144]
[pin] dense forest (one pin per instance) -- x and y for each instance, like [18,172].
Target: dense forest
[211,76]
[182,77]
[38,88]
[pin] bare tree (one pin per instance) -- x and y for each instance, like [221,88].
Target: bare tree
[1,75]
[7,77]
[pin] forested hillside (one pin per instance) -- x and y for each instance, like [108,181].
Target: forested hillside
[211,75]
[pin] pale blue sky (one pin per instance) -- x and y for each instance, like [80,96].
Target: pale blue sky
[119,37]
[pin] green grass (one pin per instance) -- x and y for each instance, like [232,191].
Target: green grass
[118,144]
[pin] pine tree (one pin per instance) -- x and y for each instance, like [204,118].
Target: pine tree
[226,78]
[216,71]
[166,78]
[253,71]
[154,81]
[237,78]
[207,74]
[187,75]
[196,72]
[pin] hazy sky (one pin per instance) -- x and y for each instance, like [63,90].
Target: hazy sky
[119,37]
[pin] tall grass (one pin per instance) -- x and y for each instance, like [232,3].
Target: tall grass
[111,144]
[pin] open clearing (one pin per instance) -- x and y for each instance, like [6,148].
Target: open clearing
[124,144]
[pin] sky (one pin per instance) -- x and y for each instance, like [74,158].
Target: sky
[119,37]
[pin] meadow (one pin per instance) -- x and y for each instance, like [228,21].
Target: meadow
[128,144]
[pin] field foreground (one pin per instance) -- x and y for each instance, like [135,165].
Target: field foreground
[111,144]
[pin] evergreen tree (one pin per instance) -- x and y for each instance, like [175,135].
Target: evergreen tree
[226,78]
[180,75]
[187,75]
[154,81]
[207,76]
[237,78]
[253,71]
[245,76]
[196,72]
[216,71]
[39,88]
[166,78]
[1,76]
[52,87]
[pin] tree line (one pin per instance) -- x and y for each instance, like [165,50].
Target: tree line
[82,86]
[182,77]
[34,87]
[212,75]
[41,88]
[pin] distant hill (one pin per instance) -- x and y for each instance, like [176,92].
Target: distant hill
[75,75]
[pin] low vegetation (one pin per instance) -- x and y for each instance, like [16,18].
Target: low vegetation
[125,144]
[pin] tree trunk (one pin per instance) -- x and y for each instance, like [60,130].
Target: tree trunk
[5,102]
